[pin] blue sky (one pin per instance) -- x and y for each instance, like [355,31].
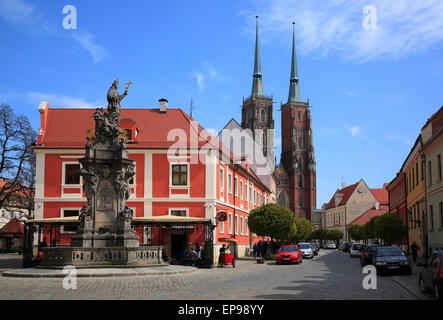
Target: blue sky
[371,89]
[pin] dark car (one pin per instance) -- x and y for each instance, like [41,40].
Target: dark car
[346,246]
[368,253]
[391,259]
[431,277]
[314,248]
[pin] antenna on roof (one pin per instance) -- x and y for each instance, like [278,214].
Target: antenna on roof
[192,107]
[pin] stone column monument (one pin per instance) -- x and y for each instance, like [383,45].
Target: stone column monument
[105,236]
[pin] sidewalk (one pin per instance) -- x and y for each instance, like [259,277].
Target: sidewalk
[410,282]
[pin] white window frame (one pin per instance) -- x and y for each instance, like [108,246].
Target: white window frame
[241,226]
[236,186]
[229,223]
[229,183]
[62,214]
[69,186]
[236,224]
[221,228]
[221,179]
[186,187]
[177,209]
[241,189]
[246,227]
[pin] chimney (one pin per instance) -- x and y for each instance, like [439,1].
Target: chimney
[343,185]
[163,105]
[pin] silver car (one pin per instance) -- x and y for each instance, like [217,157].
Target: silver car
[306,250]
[356,249]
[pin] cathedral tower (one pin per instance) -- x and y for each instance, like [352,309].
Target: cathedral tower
[297,177]
[257,113]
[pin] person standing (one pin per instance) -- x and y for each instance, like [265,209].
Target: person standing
[255,249]
[414,249]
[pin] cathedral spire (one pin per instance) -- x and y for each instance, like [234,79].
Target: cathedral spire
[257,86]
[294,89]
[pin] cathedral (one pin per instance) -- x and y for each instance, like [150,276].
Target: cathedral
[294,179]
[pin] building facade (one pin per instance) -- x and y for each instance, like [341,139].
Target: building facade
[297,170]
[431,154]
[181,170]
[397,200]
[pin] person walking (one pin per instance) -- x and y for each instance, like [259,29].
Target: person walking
[414,249]
[255,249]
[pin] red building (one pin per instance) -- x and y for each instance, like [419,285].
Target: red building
[397,198]
[181,171]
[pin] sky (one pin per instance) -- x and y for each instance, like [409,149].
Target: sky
[372,70]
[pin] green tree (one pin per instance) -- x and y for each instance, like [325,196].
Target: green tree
[303,229]
[369,229]
[356,232]
[390,228]
[271,220]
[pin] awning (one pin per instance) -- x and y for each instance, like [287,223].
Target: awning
[62,220]
[227,240]
[170,219]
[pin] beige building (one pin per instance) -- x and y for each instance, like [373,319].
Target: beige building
[431,154]
[349,203]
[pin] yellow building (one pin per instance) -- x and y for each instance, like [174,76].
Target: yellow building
[415,196]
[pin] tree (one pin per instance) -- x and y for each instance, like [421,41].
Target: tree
[271,220]
[356,232]
[17,159]
[302,230]
[334,234]
[390,228]
[369,229]
[319,234]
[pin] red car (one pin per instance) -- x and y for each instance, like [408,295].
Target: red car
[289,254]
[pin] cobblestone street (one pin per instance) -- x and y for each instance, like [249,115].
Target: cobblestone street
[330,275]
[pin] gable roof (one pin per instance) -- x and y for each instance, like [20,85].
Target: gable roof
[368,215]
[345,192]
[12,227]
[382,195]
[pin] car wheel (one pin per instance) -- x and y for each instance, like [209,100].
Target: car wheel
[422,285]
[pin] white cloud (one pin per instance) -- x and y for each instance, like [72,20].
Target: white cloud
[335,27]
[209,72]
[16,11]
[354,130]
[86,40]
[60,100]
[398,138]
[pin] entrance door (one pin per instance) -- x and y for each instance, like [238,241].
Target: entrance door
[178,241]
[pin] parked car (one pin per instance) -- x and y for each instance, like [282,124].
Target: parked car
[306,250]
[356,250]
[346,246]
[314,248]
[390,259]
[368,253]
[289,254]
[330,245]
[431,277]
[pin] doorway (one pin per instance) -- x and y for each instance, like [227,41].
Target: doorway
[178,241]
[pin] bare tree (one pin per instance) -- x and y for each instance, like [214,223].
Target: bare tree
[17,159]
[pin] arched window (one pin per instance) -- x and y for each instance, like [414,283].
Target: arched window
[282,199]
[300,164]
[263,116]
[300,180]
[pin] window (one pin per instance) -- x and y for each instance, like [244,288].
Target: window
[255,197]
[241,190]
[246,192]
[236,186]
[70,213]
[440,208]
[298,115]
[179,212]
[246,227]
[222,176]
[180,175]
[222,227]
[230,223]
[300,180]
[416,173]
[299,142]
[430,172]
[230,183]
[241,225]
[413,178]
[431,217]
[250,194]
[409,176]
[127,134]
[72,173]
[262,116]
[236,224]
[439,166]
[415,217]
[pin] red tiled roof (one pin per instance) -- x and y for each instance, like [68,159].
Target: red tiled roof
[346,193]
[382,195]
[12,227]
[436,116]
[371,213]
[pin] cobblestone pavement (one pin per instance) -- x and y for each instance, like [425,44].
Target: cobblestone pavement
[330,275]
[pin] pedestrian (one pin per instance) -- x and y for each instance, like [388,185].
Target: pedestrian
[221,256]
[259,245]
[414,248]
[255,249]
